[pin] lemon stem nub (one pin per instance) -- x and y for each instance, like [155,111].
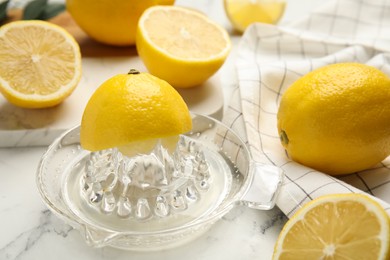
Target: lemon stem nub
[133,71]
[284,137]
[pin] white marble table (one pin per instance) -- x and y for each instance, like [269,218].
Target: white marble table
[28,230]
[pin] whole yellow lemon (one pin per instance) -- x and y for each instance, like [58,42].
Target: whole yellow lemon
[336,119]
[112,22]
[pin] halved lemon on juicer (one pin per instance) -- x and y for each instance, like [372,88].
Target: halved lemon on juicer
[131,111]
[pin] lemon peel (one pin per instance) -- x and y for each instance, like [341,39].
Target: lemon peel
[130,108]
[337,118]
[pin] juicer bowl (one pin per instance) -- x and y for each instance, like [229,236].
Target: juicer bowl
[236,179]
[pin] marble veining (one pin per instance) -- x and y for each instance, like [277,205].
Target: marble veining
[20,245]
[30,231]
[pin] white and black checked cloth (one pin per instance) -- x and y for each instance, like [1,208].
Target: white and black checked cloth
[270,58]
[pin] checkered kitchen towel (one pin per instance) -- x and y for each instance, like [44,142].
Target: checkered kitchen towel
[270,58]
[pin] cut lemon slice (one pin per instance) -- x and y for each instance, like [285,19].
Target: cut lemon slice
[243,13]
[40,63]
[180,45]
[341,226]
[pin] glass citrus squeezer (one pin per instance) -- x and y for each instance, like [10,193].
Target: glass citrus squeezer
[157,200]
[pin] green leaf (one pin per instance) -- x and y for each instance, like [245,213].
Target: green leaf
[34,9]
[52,10]
[3,10]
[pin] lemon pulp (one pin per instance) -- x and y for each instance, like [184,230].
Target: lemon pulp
[180,45]
[337,226]
[40,63]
